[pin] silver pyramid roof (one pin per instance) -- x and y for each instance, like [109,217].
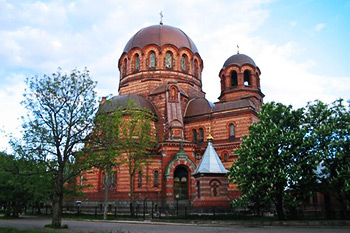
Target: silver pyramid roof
[210,162]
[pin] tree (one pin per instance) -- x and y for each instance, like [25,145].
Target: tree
[61,109]
[103,148]
[137,140]
[329,134]
[268,163]
[22,182]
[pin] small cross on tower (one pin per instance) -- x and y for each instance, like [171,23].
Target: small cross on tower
[237,49]
[161,18]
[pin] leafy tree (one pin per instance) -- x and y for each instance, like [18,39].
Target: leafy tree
[137,141]
[103,148]
[268,166]
[123,136]
[61,109]
[329,134]
[22,182]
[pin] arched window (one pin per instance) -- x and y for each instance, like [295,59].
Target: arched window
[136,62]
[196,68]
[247,78]
[232,130]
[223,80]
[104,179]
[225,157]
[201,135]
[156,179]
[194,135]
[124,67]
[214,188]
[234,80]
[139,183]
[184,62]
[114,178]
[198,189]
[169,60]
[152,60]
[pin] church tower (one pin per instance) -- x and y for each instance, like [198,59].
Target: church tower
[240,79]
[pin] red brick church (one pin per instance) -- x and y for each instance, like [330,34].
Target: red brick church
[161,70]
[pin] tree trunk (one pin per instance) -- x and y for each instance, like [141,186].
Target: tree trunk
[105,202]
[279,207]
[132,200]
[57,200]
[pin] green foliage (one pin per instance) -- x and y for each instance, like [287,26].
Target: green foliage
[60,108]
[124,136]
[329,133]
[269,159]
[22,182]
[291,153]
[103,147]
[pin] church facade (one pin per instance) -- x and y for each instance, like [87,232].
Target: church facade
[161,70]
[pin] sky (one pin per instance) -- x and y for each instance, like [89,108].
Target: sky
[302,47]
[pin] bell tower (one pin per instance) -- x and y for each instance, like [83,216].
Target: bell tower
[240,79]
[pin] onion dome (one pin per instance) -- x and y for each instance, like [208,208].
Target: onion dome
[122,101]
[239,59]
[160,35]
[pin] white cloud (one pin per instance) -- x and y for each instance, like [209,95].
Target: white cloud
[37,37]
[293,23]
[319,27]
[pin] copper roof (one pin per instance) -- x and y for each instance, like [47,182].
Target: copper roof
[198,106]
[239,59]
[210,162]
[122,100]
[160,35]
[236,104]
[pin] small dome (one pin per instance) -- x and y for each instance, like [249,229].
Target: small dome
[122,100]
[198,106]
[239,59]
[160,35]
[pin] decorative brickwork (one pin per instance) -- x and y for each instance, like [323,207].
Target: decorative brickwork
[171,87]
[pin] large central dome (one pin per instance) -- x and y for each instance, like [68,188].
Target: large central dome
[160,35]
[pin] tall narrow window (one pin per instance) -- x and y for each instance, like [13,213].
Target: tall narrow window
[247,78]
[201,135]
[152,60]
[124,68]
[232,130]
[225,157]
[234,80]
[114,178]
[137,62]
[156,179]
[104,179]
[194,135]
[184,62]
[198,189]
[196,68]
[169,60]
[139,183]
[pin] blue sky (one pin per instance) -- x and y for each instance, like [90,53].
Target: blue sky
[301,47]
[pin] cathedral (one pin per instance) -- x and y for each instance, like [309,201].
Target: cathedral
[161,70]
